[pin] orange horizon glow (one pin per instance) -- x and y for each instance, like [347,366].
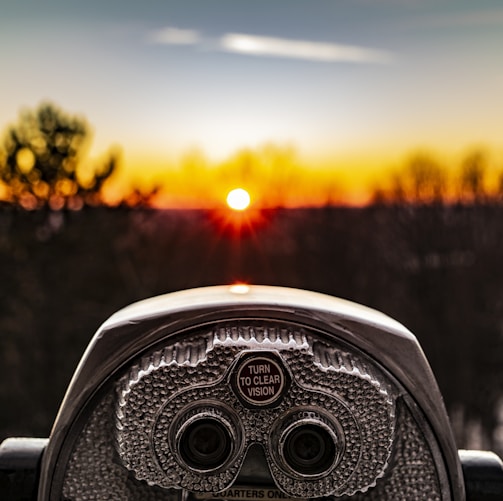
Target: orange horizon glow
[272,175]
[276,176]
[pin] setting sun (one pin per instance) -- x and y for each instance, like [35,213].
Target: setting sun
[238,199]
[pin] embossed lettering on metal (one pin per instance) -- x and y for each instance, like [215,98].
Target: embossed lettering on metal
[260,380]
[245,493]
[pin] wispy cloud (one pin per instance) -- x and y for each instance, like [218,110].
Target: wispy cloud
[300,49]
[255,45]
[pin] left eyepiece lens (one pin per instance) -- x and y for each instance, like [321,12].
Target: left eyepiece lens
[206,436]
[205,443]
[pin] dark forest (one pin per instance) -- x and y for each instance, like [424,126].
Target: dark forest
[436,268]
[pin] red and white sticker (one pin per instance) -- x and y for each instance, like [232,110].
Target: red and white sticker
[260,380]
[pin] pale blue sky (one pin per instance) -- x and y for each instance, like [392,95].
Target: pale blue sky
[334,77]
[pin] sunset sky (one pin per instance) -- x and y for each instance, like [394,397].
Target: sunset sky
[353,85]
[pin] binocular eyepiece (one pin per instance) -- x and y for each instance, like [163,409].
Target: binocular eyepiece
[249,392]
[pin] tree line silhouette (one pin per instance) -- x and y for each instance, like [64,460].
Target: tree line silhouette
[425,180]
[43,165]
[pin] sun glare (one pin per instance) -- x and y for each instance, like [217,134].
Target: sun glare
[238,199]
[239,288]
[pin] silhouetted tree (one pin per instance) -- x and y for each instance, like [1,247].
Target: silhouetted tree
[472,177]
[425,179]
[421,181]
[42,164]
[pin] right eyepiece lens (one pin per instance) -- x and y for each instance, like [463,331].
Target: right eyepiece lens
[309,449]
[205,444]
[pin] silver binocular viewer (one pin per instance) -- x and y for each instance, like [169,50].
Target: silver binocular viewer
[251,392]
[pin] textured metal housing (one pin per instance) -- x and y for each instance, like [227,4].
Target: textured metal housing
[128,350]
